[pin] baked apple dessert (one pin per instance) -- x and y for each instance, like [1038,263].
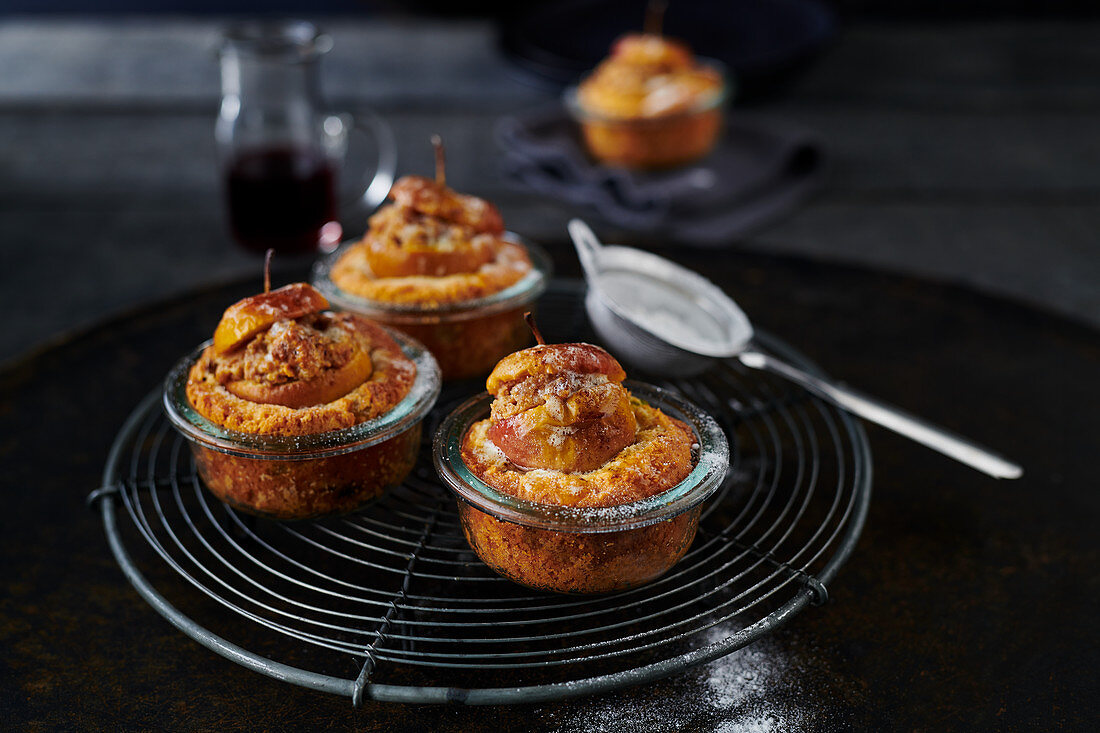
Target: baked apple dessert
[292,410]
[438,265]
[573,483]
[650,104]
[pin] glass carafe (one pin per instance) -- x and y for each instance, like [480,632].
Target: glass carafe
[281,151]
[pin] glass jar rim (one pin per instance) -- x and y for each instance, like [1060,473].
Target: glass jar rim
[525,290]
[402,416]
[708,474]
[295,40]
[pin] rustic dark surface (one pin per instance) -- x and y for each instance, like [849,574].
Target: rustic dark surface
[963,153]
[969,604]
[960,152]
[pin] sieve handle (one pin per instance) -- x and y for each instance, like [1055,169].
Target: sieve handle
[588,246]
[901,422]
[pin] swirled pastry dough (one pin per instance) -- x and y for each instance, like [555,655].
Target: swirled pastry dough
[431,247]
[309,356]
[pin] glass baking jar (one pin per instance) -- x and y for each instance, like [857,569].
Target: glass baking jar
[582,550]
[466,337]
[306,476]
[662,141]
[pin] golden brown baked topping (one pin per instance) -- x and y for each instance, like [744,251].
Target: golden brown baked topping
[253,314]
[648,75]
[298,375]
[434,199]
[560,407]
[402,241]
[291,350]
[553,359]
[354,274]
[658,458]
[431,246]
[310,361]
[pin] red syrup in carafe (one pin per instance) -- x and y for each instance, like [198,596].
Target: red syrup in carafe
[282,198]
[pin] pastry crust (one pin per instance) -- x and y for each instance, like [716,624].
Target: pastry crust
[431,247]
[353,274]
[391,375]
[658,459]
[314,487]
[662,142]
[572,562]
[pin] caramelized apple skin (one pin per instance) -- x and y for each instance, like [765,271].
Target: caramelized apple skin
[436,200]
[247,317]
[328,386]
[560,407]
[575,435]
[547,359]
[431,231]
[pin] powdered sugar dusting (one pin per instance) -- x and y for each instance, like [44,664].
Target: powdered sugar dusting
[744,692]
[555,408]
[576,382]
[488,452]
[279,327]
[558,433]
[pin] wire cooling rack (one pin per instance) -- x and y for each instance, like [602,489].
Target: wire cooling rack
[391,604]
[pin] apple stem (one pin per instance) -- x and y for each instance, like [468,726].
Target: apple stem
[655,17]
[530,318]
[440,161]
[267,270]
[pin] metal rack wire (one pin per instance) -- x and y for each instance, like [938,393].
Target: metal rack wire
[394,599]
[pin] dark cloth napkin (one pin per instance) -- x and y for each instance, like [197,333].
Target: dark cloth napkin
[760,170]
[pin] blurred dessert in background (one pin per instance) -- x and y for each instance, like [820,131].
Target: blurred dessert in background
[651,103]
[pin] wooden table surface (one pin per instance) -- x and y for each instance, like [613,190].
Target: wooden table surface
[962,154]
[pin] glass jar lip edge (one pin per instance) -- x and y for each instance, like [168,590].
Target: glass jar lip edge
[704,479]
[525,290]
[290,38]
[201,431]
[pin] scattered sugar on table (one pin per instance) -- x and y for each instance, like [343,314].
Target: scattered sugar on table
[744,692]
